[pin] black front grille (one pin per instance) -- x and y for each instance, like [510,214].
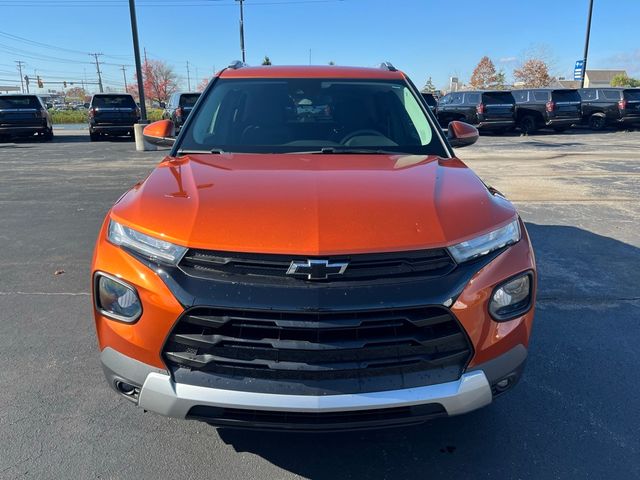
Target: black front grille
[361,267]
[349,420]
[319,346]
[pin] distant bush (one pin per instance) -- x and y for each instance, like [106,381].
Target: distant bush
[154,114]
[68,116]
[80,116]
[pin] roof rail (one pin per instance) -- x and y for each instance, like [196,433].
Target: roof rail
[236,64]
[388,66]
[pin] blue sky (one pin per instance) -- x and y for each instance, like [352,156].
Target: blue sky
[422,37]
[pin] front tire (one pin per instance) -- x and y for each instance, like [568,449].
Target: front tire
[94,137]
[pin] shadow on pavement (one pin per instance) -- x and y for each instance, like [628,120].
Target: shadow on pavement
[566,419]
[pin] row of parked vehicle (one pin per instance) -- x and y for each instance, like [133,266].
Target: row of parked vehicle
[110,114]
[533,109]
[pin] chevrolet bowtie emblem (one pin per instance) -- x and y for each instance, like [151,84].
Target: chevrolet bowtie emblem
[316,269]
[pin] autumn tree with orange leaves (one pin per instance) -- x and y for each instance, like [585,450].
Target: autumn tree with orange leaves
[159,81]
[485,76]
[534,73]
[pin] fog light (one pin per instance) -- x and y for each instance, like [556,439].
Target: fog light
[116,299]
[512,298]
[503,383]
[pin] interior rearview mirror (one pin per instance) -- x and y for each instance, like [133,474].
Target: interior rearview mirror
[462,134]
[162,132]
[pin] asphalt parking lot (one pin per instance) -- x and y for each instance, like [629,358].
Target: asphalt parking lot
[576,414]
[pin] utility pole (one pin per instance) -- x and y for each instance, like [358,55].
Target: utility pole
[586,45]
[124,76]
[20,64]
[96,55]
[188,77]
[242,30]
[136,53]
[309,56]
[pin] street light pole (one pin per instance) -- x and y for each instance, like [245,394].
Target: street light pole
[242,30]
[136,53]
[586,45]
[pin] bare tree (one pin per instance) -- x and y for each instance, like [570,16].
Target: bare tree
[534,73]
[203,84]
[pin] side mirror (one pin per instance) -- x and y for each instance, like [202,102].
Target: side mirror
[462,134]
[162,132]
[163,105]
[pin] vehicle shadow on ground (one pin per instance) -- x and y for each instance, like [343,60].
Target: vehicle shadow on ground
[85,138]
[533,431]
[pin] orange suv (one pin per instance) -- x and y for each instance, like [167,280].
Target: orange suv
[311,255]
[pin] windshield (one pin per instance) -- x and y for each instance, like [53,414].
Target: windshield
[21,101]
[632,95]
[293,115]
[189,100]
[114,101]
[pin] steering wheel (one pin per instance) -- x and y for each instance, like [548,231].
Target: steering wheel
[359,133]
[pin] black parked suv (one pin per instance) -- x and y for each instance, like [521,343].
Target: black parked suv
[112,114]
[610,106]
[547,107]
[179,107]
[431,100]
[24,116]
[487,110]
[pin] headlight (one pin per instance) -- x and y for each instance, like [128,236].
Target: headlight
[484,244]
[512,298]
[116,299]
[152,248]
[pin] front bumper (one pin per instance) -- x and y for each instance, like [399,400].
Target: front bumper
[160,394]
[132,353]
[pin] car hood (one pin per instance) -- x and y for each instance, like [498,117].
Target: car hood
[312,204]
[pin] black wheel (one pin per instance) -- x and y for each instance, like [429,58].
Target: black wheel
[94,137]
[597,122]
[559,129]
[528,124]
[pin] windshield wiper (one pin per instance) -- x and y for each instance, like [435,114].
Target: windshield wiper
[352,151]
[194,152]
